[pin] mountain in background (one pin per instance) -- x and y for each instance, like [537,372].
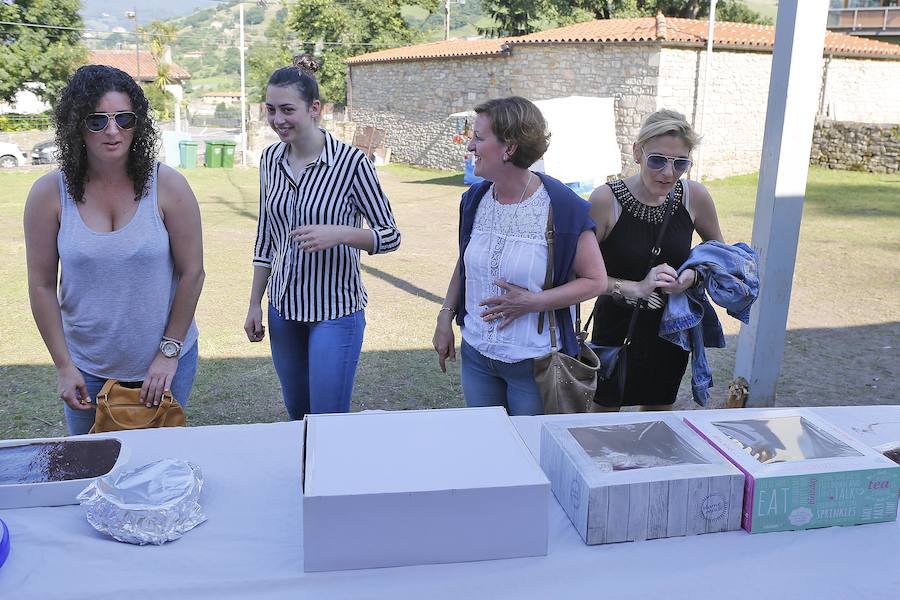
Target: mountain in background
[104,15]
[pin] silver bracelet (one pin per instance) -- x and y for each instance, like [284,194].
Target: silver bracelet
[452,311]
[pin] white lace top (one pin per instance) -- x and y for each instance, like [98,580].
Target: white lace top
[508,243]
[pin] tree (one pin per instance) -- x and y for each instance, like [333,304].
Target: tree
[335,31]
[254,15]
[39,54]
[521,17]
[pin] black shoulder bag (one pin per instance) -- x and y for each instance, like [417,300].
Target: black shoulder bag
[613,359]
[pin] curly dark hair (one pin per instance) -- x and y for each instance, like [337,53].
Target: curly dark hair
[76,101]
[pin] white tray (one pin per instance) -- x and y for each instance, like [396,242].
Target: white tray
[53,493]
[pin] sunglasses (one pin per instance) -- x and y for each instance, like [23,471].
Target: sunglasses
[658,162]
[97,122]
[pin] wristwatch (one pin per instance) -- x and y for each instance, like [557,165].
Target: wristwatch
[170,348]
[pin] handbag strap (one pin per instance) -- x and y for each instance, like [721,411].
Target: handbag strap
[106,389]
[548,284]
[654,254]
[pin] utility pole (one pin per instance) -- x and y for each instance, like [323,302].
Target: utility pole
[447,4]
[706,82]
[243,92]
[132,16]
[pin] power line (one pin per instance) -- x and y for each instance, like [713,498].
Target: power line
[146,34]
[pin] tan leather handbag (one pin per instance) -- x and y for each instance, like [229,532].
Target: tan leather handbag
[566,384]
[119,408]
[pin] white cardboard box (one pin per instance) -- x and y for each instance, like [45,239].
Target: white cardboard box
[631,476]
[50,493]
[802,472]
[384,489]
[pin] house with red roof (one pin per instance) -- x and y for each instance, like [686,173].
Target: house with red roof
[643,64]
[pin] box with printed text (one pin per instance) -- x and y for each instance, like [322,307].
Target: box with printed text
[801,471]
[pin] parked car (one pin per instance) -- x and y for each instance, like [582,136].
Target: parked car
[11,156]
[44,153]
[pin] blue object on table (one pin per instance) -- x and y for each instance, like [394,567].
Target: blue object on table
[4,542]
[469,176]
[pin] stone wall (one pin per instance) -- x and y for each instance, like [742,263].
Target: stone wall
[861,90]
[856,146]
[411,100]
[735,115]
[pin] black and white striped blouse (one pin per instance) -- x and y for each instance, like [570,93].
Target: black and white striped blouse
[340,188]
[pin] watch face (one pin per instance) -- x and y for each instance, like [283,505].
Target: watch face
[169,349]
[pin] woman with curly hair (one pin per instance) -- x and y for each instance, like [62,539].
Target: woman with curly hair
[125,233]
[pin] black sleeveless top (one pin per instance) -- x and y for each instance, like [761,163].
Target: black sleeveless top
[655,366]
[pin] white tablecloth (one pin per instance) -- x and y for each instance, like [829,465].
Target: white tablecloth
[251,546]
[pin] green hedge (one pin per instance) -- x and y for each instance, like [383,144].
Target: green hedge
[19,122]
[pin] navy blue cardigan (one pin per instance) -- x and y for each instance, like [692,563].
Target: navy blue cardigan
[571,217]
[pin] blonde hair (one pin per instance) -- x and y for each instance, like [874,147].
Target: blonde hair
[668,122]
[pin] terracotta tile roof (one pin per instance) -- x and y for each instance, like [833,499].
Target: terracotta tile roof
[657,29]
[127,61]
[442,49]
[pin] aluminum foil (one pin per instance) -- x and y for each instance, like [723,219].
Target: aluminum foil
[635,446]
[784,439]
[153,504]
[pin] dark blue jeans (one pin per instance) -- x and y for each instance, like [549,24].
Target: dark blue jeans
[488,382]
[316,362]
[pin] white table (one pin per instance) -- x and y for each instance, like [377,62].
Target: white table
[251,545]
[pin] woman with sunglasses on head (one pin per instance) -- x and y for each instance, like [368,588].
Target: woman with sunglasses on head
[125,233]
[315,192]
[630,213]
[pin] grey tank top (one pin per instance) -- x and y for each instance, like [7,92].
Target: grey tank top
[116,289]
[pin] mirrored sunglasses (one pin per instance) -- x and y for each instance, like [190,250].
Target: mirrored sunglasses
[97,122]
[657,162]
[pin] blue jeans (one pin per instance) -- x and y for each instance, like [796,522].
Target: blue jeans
[316,362]
[80,422]
[488,382]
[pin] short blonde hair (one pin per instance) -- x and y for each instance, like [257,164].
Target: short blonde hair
[668,122]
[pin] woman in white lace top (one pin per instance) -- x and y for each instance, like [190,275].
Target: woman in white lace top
[496,292]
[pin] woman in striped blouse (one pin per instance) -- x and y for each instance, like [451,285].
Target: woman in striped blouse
[315,192]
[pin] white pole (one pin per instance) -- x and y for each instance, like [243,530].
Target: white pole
[447,20]
[784,166]
[710,36]
[243,93]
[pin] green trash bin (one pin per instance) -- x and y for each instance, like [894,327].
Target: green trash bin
[213,155]
[187,151]
[227,153]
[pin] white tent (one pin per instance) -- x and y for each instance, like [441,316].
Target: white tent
[583,147]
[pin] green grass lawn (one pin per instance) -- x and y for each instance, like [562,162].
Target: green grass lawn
[841,347]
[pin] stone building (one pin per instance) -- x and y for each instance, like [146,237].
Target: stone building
[645,64]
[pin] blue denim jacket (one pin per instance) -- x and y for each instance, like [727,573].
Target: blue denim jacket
[730,275]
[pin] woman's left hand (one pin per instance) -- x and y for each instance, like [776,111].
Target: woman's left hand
[684,282]
[508,307]
[159,378]
[312,238]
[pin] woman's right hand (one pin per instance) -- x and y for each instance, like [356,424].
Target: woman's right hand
[71,388]
[659,276]
[253,326]
[443,341]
